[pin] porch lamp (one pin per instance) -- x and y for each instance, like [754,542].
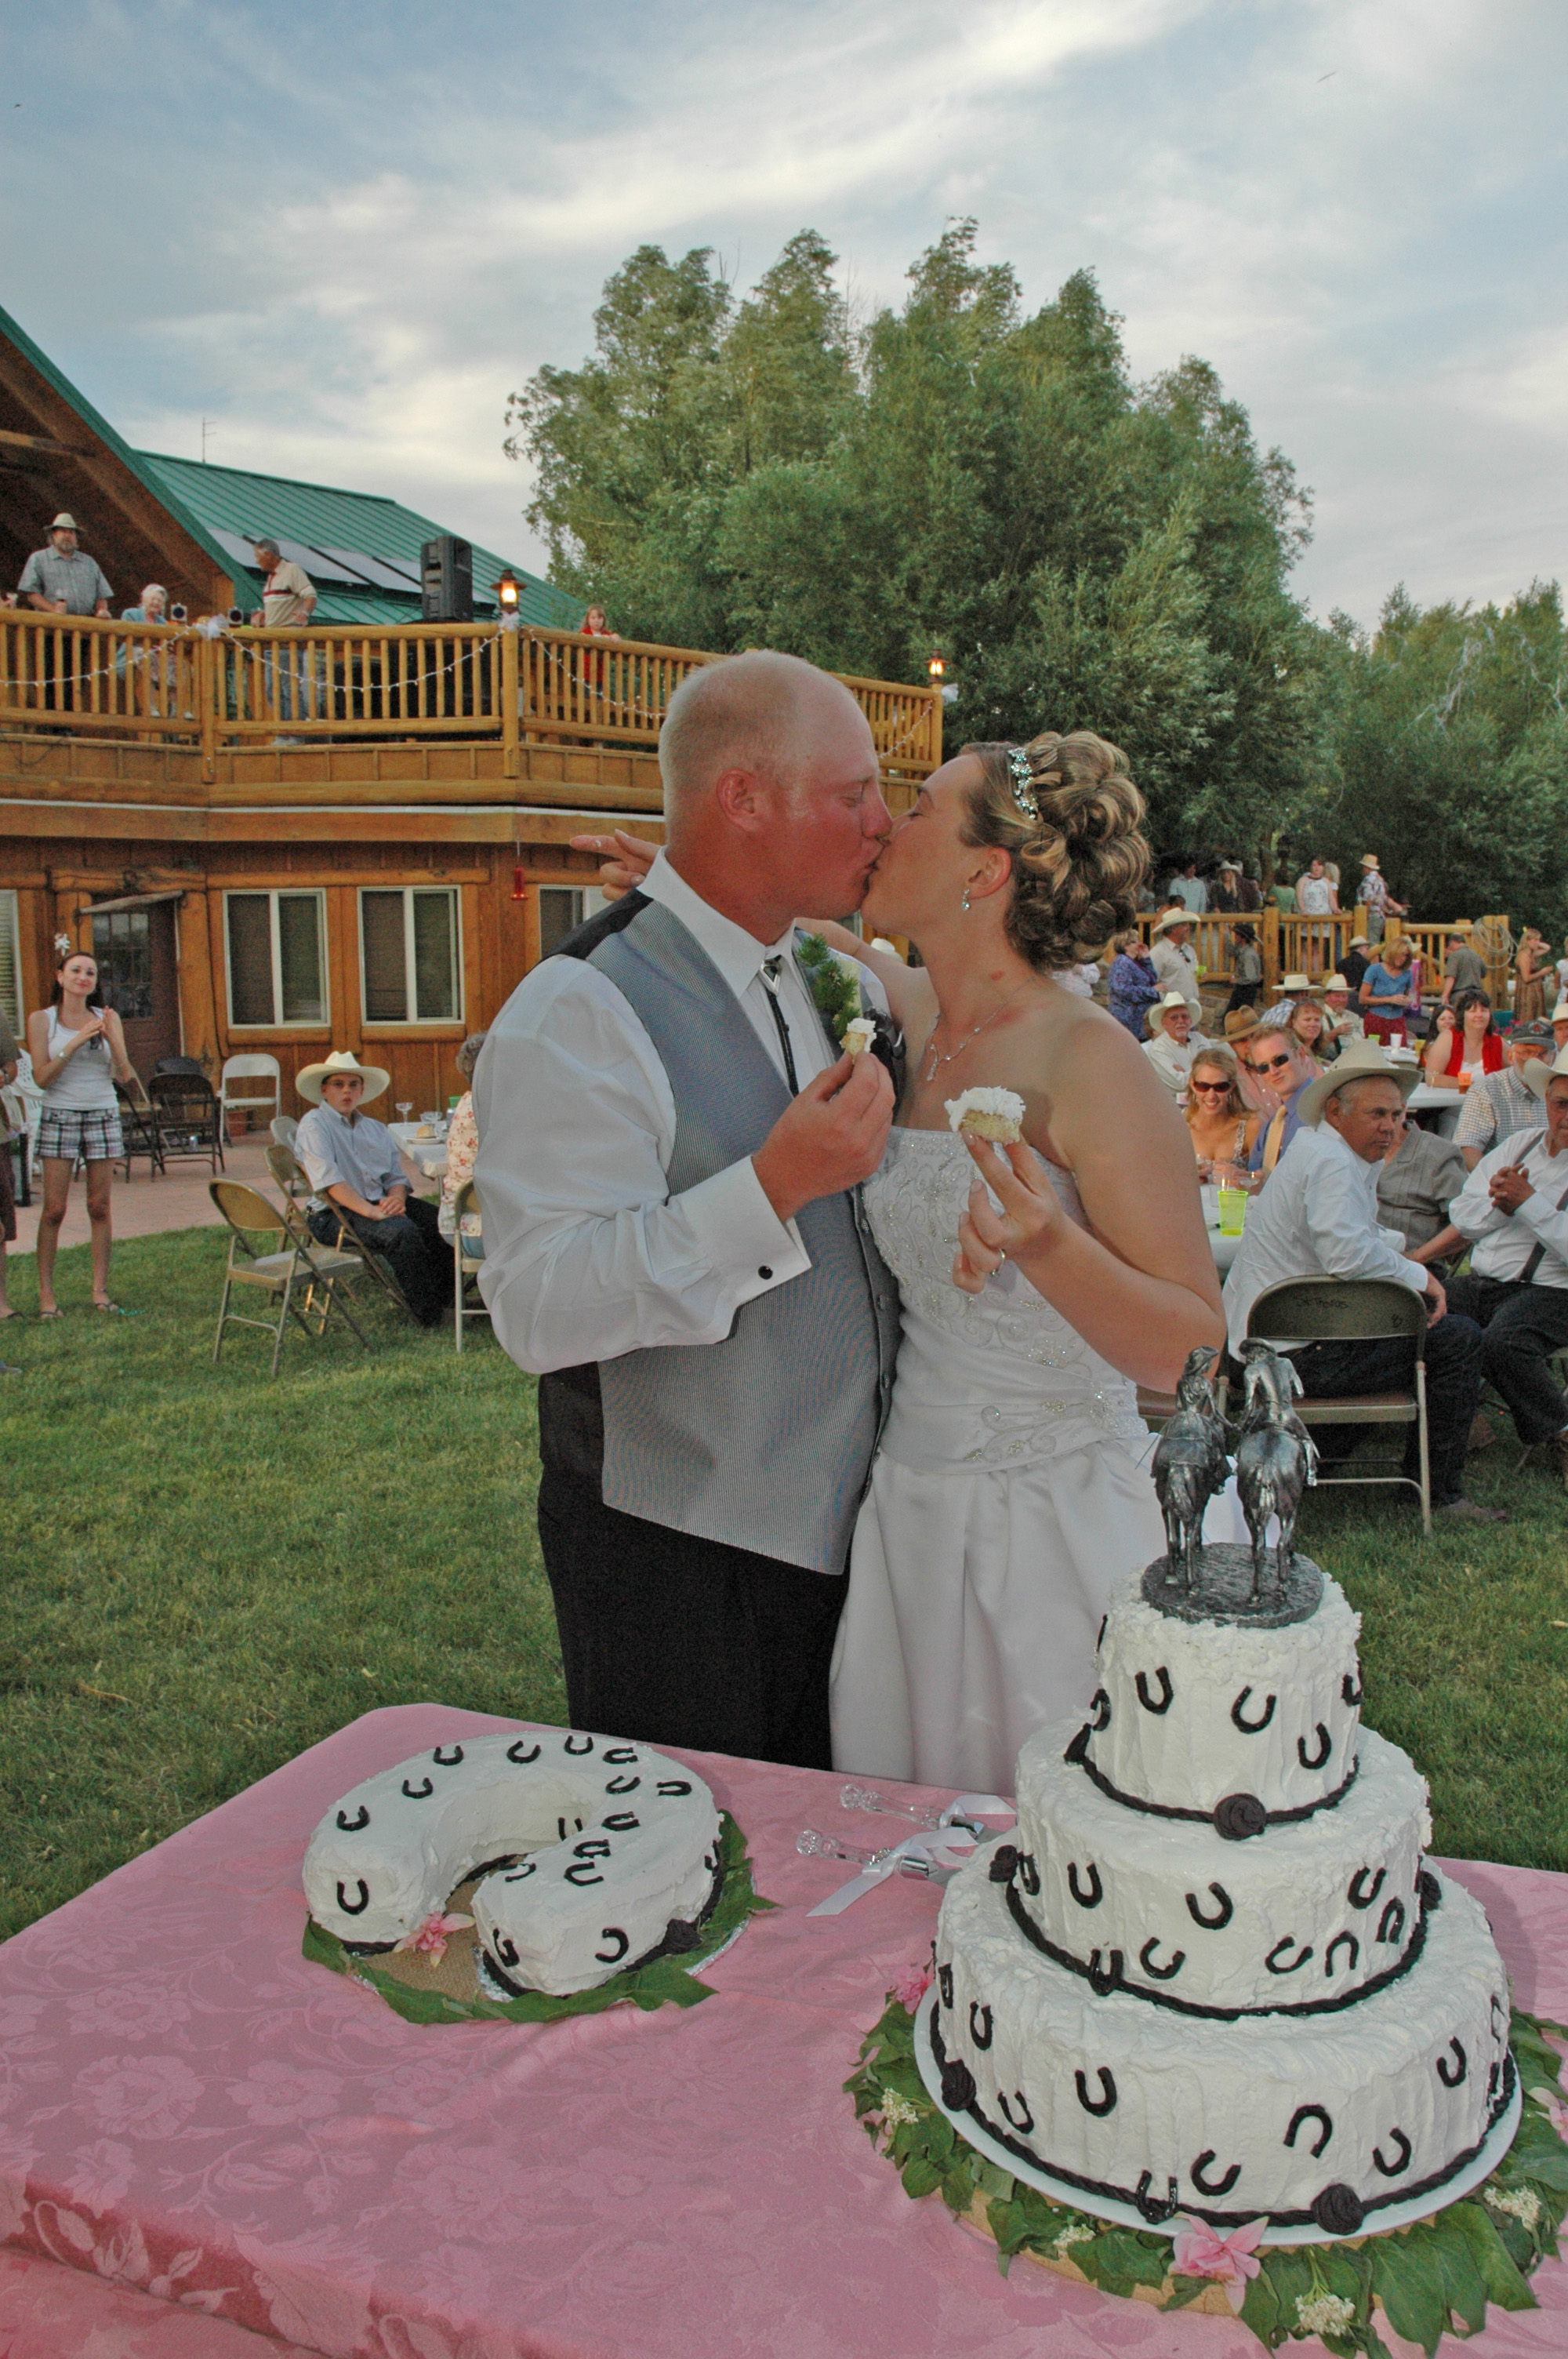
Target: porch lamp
[936,667]
[507,590]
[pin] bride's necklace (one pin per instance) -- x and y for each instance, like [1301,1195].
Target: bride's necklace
[936,1062]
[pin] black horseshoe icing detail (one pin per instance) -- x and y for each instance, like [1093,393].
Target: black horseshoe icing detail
[1027,2124]
[420,1793]
[623,1785]
[1393,2169]
[1153,2207]
[978,2014]
[1107,2098]
[673,1785]
[352,1826]
[529,1868]
[1096,1893]
[621,1822]
[611,1957]
[506,1950]
[1103,1980]
[1314,2112]
[595,1847]
[452,1764]
[1226,1912]
[1496,2010]
[1290,1964]
[1099,1641]
[1251,1727]
[1160,1974]
[621,1754]
[1146,1701]
[1325,1748]
[1355,1952]
[515,1752]
[1391,1923]
[1349,1692]
[945,1983]
[355,1907]
[581,1872]
[1215,2185]
[1100,1707]
[571,1744]
[1361,1894]
[1028,1874]
[1462,2066]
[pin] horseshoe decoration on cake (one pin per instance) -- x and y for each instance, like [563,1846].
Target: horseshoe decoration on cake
[585,1881]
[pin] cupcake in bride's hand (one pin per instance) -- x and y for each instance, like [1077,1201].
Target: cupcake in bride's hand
[1030,1214]
[995,1114]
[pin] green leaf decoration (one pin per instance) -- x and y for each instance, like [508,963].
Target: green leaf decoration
[664,1982]
[1443,2269]
[836,991]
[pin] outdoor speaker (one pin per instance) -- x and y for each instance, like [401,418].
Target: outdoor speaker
[446,576]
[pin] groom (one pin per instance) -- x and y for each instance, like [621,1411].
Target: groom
[669,1167]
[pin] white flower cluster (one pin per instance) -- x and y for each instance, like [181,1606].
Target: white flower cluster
[896,2109]
[1523,2204]
[1324,2313]
[1076,2232]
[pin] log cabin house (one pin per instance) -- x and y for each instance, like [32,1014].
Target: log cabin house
[353,835]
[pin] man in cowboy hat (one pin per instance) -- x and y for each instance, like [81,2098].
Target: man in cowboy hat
[1240,1023]
[1375,898]
[62,579]
[1560,1025]
[1354,965]
[1171,1043]
[1513,1212]
[1175,962]
[1338,1017]
[1497,1104]
[352,1163]
[1318,1218]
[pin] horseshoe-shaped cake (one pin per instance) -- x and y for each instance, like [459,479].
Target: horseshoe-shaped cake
[602,1855]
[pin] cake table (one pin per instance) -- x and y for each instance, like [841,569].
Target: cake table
[212,2148]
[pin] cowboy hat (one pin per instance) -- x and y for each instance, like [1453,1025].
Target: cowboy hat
[1370,860]
[1240,1023]
[1334,983]
[1233,866]
[1538,1073]
[1168,1006]
[307,1081]
[1363,1061]
[1295,986]
[1561,1010]
[1181,915]
[1358,943]
[64,523]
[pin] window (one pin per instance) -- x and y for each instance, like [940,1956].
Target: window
[408,950]
[10,963]
[122,944]
[278,967]
[562,908]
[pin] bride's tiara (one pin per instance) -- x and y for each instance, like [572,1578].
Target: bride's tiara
[1022,783]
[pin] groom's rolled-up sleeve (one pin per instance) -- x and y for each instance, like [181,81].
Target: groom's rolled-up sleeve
[587,1254]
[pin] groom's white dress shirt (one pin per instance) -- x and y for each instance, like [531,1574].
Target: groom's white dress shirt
[587,1254]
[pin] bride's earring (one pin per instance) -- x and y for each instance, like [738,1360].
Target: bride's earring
[966,899]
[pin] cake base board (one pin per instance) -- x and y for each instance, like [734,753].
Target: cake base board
[1127,2215]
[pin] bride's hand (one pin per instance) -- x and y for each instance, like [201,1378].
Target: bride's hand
[1029,1216]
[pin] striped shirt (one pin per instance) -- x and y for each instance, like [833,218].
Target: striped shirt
[78,579]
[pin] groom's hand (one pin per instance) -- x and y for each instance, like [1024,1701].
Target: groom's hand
[828,1138]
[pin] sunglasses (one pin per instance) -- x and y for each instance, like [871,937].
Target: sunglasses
[1271,1065]
[1222,1087]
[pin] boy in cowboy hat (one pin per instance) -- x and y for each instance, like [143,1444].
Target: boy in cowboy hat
[351,1161]
[1318,1218]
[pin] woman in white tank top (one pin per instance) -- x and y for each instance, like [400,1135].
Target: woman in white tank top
[79,1053]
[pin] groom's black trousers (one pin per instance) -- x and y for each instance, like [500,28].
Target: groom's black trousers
[684,1641]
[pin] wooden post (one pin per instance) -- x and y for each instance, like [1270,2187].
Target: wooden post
[1268,943]
[511,756]
[1498,968]
[210,673]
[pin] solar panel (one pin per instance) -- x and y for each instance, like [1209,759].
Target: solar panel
[385,572]
[320,565]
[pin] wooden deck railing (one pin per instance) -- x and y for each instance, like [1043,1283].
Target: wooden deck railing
[1316,946]
[345,681]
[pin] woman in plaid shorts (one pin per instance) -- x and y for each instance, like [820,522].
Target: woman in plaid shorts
[78,1052]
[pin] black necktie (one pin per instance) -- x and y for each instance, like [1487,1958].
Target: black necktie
[770,972]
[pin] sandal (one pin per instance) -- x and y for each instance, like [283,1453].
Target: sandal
[56,1313]
[118,1310]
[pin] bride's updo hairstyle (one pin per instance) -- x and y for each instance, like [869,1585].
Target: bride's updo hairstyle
[1067,813]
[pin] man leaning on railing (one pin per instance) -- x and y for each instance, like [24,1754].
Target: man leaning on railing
[288,601]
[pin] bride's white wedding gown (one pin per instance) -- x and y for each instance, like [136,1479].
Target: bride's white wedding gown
[1009,1497]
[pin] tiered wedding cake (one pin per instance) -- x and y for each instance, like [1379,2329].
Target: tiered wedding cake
[1212,1971]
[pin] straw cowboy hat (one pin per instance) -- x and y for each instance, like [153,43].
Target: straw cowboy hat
[307,1081]
[1332,983]
[1358,943]
[64,523]
[1296,986]
[1167,1006]
[1178,916]
[1560,1011]
[1364,1060]
[1370,860]
[1537,1073]
[1240,1023]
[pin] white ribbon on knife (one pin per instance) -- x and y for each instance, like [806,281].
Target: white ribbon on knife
[942,1846]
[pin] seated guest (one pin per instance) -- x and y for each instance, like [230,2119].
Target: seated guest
[1560,1025]
[1463,1043]
[1390,992]
[1514,1210]
[352,1163]
[1500,1102]
[1172,1041]
[1221,1124]
[1341,1024]
[1354,965]
[1318,1218]
[1306,1016]
[1417,1181]
[463,1146]
[1282,1070]
[1134,986]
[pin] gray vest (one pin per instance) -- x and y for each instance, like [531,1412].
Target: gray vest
[765,1440]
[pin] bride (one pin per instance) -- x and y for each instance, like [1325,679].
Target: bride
[1010,1495]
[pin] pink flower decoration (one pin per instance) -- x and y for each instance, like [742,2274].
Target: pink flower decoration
[1199,2253]
[912,1986]
[429,1939]
[1555,2108]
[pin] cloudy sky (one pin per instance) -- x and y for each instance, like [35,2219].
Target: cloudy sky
[343,232]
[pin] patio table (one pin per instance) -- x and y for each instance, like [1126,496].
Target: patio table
[209,2145]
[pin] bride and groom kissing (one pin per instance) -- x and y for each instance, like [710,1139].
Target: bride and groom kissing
[841,1457]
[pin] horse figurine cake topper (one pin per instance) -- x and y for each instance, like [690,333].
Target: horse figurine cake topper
[1275,1458]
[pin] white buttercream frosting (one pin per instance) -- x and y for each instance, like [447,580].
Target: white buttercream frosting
[996,1114]
[611,1841]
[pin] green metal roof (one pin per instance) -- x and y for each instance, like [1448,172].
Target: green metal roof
[328,529]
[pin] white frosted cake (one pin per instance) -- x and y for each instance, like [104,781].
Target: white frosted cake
[602,1855]
[1211,1971]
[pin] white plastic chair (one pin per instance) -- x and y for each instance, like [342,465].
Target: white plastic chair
[252,1067]
[464,1264]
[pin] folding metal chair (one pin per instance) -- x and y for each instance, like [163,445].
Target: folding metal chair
[139,1126]
[1341,1311]
[464,1265]
[252,1067]
[285,1128]
[288,1173]
[297,1266]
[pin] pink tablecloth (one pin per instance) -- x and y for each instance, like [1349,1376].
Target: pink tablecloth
[224,2143]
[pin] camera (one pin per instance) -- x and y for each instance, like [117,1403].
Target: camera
[177,613]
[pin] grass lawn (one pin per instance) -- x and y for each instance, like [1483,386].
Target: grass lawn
[207,1573]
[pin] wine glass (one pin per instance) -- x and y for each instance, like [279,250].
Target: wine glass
[405,1108]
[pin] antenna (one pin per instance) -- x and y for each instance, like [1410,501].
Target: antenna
[208,425]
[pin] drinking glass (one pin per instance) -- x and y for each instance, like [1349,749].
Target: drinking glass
[405,1108]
